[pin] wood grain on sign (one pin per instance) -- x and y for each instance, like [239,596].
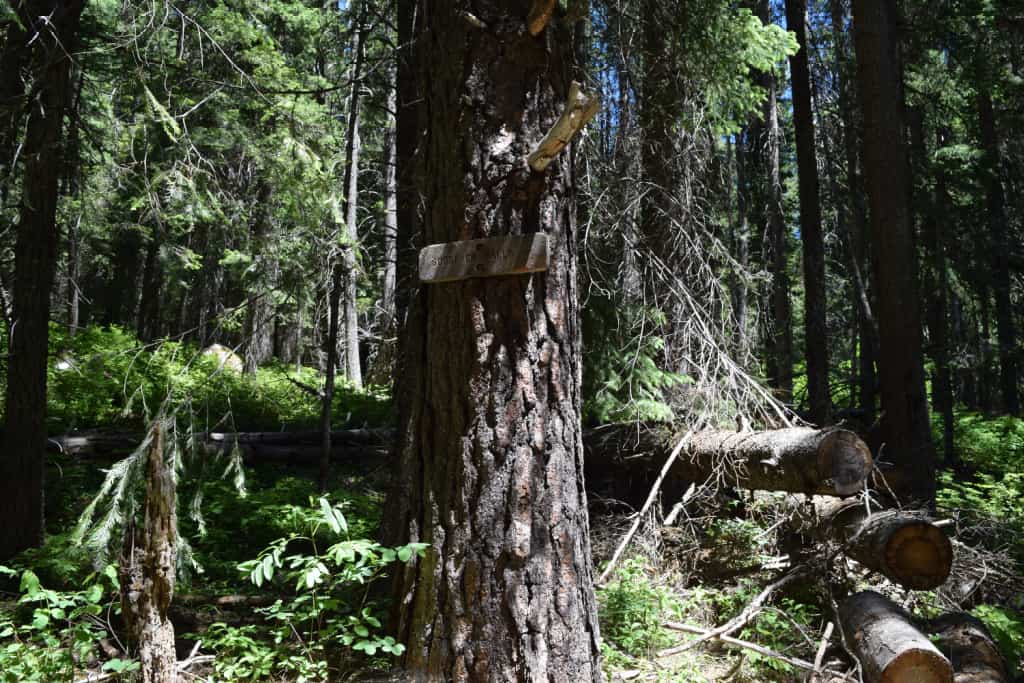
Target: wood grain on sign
[490,257]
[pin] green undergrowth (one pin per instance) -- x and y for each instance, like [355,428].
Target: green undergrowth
[104,377]
[638,600]
[989,489]
[313,553]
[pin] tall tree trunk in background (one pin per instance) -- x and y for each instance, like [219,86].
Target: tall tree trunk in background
[780,367]
[999,245]
[942,382]
[149,327]
[934,208]
[259,309]
[856,232]
[387,303]
[353,369]
[815,328]
[343,276]
[72,188]
[658,113]
[13,61]
[905,427]
[490,443]
[741,241]
[52,28]
[122,290]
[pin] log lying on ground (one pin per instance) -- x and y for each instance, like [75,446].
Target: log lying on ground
[904,546]
[890,649]
[798,460]
[970,647]
[256,445]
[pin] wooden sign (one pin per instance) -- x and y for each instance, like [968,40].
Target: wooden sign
[491,257]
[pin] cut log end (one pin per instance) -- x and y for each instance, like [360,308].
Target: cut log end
[919,555]
[846,460]
[917,666]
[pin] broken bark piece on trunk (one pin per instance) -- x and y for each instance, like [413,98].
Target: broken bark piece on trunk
[889,647]
[970,647]
[579,109]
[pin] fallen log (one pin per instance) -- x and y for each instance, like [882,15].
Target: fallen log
[798,460]
[889,648]
[256,445]
[970,647]
[904,546]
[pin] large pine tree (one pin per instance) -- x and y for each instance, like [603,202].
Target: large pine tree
[490,435]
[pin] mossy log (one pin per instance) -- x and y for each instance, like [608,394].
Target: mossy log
[889,647]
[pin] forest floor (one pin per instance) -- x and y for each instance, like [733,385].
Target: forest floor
[259,625]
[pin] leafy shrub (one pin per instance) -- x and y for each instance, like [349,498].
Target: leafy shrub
[632,608]
[323,614]
[59,630]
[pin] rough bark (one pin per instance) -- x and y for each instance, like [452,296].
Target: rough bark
[890,649]
[148,565]
[798,460]
[905,427]
[52,28]
[999,246]
[489,440]
[970,647]
[905,547]
[815,328]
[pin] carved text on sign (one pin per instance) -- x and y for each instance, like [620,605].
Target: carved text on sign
[511,255]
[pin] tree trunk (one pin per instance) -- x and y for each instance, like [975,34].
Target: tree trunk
[999,245]
[353,145]
[799,460]
[890,649]
[259,309]
[905,547]
[971,649]
[905,427]
[53,31]
[343,277]
[490,441]
[938,328]
[815,328]
[148,565]
[390,211]
[741,243]
[13,61]
[780,367]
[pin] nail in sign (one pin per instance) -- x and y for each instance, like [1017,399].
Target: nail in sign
[490,257]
